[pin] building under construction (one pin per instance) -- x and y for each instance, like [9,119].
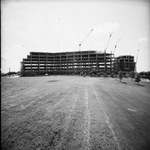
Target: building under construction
[65,63]
[124,63]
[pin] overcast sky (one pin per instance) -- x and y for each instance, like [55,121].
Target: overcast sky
[55,26]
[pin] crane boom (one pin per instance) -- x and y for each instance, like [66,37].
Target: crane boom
[137,54]
[137,58]
[108,42]
[116,46]
[85,38]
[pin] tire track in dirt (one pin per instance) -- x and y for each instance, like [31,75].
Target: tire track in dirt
[68,120]
[60,117]
[73,106]
[107,119]
[86,124]
[77,135]
[63,102]
[70,99]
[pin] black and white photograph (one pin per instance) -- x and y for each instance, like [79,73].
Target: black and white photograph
[75,74]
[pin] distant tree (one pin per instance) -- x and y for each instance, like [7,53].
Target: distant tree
[3,74]
[137,78]
[132,75]
[93,72]
[145,75]
[148,75]
[120,75]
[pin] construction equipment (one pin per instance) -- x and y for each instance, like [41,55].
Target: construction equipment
[110,35]
[114,52]
[84,39]
[116,46]
[137,58]
[105,51]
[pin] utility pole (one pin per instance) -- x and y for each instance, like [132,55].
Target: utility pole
[84,39]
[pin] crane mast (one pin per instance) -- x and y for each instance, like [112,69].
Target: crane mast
[84,39]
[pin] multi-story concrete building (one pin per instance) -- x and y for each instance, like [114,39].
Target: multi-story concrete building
[125,63]
[41,63]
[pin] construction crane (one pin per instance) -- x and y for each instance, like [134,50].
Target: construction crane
[84,39]
[110,35]
[105,52]
[116,46]
[114,53]
[137,58]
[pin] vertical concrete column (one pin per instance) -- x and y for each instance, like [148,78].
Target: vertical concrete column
[59,63]
[96,62]
[88,61]
[105,60]
[111,62]
[39,64]
[22,68]
[81,62]
[73,62]
[46,64]
[67,61]
[31,61]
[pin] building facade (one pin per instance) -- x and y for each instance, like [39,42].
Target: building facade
[63,63]
[124,63]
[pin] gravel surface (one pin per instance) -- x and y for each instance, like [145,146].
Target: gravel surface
[74,113]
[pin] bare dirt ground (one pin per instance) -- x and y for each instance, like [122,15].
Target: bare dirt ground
[74,113]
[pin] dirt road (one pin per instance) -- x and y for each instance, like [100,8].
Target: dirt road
[74,113]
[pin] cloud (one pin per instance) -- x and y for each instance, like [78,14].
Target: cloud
[143,39]
[106,28]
